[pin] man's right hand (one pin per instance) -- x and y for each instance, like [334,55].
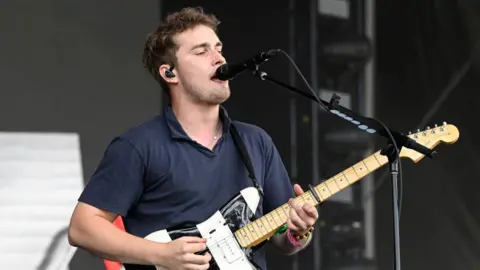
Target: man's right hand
[180,254]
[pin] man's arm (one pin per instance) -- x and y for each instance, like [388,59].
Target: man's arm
[115,186]
[113,189]
[92,229]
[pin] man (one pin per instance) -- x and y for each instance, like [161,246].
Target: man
[180,167]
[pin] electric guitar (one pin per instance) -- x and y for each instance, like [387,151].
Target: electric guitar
[232,233]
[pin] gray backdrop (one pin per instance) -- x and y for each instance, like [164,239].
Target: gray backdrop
[75,66]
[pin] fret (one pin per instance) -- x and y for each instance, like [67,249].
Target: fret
[286,210]
[328,188]
[356,175]
[371,163]
[280,216]
[366,166]
[249,238]
[332,186]
[247,234]
[360,171]
[341,181]
[251,230]
[349,174]
[317,190]
[299,200]
[279,220]
[271,220]
[258,230]
[261,225]
[276,217]
[323,191]
[381,158]
[310,199]
[242,236]
[376,159]
[266,223]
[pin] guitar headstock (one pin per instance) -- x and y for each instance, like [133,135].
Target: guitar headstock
[430,138]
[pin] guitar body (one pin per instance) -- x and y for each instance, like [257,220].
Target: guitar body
[226,252]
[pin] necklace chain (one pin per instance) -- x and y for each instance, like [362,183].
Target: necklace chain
[215,137]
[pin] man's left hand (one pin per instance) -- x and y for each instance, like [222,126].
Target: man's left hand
[301,216]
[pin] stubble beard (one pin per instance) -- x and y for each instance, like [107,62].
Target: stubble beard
[209,96]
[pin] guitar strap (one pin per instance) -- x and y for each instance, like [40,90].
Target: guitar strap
[248,164]
[244,154]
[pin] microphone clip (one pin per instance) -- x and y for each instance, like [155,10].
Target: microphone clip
[334,101]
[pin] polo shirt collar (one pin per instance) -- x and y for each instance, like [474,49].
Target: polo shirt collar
[177,131]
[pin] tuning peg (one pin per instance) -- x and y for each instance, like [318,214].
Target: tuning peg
[418,130]
[444,123]
[428,127]
[409,133]
[436,125]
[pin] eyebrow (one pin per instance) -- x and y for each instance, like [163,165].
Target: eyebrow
[205,45]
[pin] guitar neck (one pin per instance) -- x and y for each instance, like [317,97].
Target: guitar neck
[264,227]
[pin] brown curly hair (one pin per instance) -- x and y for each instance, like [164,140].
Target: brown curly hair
[160,47]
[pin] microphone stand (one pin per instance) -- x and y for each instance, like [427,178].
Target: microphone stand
[395,140]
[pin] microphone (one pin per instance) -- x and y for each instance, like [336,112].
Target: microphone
[227,72]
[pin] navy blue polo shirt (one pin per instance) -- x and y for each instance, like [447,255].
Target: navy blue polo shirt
[156,177]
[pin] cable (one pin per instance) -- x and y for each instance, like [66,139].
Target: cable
[397,151]
[304,80]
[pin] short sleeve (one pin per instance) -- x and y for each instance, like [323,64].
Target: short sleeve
[277,186]
[118,181]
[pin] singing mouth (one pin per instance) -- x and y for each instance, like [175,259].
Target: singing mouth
[215,79]
[218,81]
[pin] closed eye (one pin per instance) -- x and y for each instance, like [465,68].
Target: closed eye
[201,49]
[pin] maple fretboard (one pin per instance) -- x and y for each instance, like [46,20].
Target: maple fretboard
[264,227]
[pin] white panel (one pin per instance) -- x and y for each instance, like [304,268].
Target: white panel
[336,8]
[40,181]
[251,197]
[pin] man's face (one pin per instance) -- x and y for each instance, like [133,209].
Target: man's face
[198,56]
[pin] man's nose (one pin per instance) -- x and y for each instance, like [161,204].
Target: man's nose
[219,59]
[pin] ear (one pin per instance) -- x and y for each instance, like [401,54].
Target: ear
[164,69]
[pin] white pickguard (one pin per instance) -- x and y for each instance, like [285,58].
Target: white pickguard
[221,241]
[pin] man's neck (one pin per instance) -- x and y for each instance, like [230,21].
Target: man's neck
[199,122]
